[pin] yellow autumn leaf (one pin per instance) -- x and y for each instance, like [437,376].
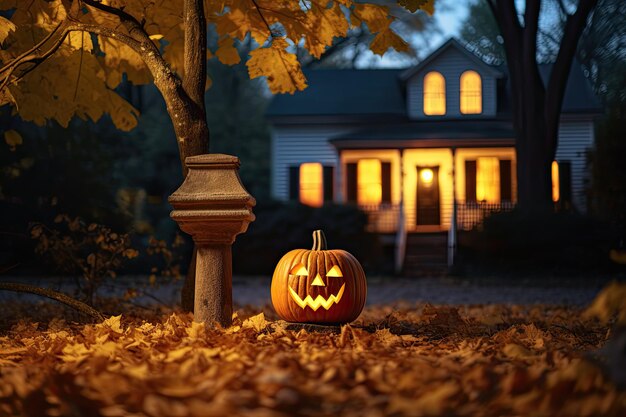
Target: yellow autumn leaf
[13,139]
[226,52]
[388,39]
[258,323]
[413,5]
[376,17]
[156,37]
[281,68]
[196,330]
[113,323]
[6,97]
[325,23]
[6,27]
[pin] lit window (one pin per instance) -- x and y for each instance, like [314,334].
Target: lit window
[311,184]
[555,182]
[369,183]
[488,179]
[434,94]
[471,93]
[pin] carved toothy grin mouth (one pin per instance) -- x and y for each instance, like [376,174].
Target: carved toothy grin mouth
[319,300]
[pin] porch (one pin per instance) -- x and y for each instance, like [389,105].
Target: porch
[427,250]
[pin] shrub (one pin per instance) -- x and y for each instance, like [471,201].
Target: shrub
[92,250]
[280,227]
[523,242]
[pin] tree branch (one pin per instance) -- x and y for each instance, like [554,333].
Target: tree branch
[30,57]
[54,295]
[31,50]
[563,8]
[549,36]
[131,24]
[267,24]
[505,13]
[560,70]
[529,37]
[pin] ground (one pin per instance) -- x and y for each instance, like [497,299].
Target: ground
[400,358]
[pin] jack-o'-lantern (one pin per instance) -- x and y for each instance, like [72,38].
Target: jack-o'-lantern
[318,285]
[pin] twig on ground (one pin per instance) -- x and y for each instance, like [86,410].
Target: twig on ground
[54,295]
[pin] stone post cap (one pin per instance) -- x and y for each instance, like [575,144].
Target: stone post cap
[212,204]
[212,180]
[212,161]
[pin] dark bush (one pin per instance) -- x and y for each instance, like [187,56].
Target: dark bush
[280,227]
[560,243]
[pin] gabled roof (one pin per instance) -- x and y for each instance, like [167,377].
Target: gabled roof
[450,44]
[380,93]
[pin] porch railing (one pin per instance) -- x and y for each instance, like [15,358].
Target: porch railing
[472,214]
[383,218]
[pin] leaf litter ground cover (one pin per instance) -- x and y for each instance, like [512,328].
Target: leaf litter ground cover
[400,360]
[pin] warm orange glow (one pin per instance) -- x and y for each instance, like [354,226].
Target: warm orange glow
[311,184]
[370,190]
[555,182]
[488,179]
[434,94]
[426,176]
[471,93]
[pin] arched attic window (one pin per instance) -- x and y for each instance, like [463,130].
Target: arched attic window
[434,94]
[471,93]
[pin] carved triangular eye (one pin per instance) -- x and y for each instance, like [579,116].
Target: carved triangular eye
[334,272]
[299,270]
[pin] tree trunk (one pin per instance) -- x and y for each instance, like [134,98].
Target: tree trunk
[533,170]
[193,139]
[188,292]
[536,108]
[533,155]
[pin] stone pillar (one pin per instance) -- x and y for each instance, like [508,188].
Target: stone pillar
[213,207]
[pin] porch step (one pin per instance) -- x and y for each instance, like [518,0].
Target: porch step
[426,254]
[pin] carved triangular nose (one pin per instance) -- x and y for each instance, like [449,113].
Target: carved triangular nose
[318,281]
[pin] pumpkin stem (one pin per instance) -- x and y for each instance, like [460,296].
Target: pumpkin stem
[319,240]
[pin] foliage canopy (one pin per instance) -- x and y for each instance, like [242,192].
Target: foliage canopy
[86,48]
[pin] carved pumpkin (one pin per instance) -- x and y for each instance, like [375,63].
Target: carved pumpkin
[318,285]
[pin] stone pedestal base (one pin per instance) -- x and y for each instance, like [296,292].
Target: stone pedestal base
[213,207]
[213,299]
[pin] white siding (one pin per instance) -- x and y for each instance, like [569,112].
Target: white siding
[575,139]
[451,64]
[293,146]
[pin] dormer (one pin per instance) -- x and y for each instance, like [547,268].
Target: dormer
[451,82]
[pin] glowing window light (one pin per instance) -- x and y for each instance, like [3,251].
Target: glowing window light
[555,182]
[471,93]
[427,176]
[488,179]
[434,94]
[311,184]
[369,183]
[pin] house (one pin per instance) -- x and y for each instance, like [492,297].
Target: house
[409,146]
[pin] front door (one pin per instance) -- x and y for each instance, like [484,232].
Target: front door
[427,203]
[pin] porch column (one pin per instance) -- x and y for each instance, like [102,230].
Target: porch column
[452,236]
[401,232]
